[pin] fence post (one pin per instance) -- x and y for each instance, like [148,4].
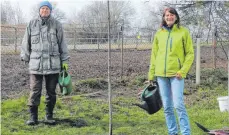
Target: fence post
[98,43]
[137,40]
[109,76]
[198,62]
[122,29]
[151,38]
[119,39]
[214,34]
[74,39]
[15,42]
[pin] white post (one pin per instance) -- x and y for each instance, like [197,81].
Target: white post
[228,80]
[198,62]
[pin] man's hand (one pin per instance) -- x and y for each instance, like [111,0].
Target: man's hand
[65,66]
[26,62]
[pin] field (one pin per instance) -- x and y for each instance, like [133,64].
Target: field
[86,110]
[93,64]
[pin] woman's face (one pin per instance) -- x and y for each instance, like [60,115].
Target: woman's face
[44,11]
[169,18]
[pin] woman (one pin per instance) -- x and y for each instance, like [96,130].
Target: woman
[171,58]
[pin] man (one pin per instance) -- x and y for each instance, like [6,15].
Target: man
[44,48]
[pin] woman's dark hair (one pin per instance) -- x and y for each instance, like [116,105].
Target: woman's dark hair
[172,11]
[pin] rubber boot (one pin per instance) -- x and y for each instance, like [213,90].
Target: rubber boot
[49,115]
[33,115]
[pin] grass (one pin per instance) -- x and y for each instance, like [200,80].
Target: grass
[82,115]
[87,116]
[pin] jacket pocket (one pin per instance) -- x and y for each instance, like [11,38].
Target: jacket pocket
[35,37]
[34,63]
[53,37]
[55,61]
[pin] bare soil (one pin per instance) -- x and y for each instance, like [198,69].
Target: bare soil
[92,64]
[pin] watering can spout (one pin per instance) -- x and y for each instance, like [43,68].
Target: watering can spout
[142,106]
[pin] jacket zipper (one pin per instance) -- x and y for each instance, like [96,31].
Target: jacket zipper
[171,45]
[166,52]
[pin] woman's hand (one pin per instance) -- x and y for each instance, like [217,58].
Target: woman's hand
[178,75]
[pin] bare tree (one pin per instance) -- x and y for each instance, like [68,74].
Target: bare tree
[153,15]
[3,14]
[58,14]
[93,18]
[11,14]
[200,17]
[19,16]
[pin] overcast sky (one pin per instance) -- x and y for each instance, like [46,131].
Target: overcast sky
[74,6]
[67,6]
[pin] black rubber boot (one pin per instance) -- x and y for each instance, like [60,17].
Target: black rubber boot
[33,115]
[49,115]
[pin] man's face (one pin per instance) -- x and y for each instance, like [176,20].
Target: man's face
[44,11]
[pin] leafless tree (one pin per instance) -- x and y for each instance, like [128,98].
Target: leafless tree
[3,14]
[93,18]
[11,14]
[153,15]
[19,16]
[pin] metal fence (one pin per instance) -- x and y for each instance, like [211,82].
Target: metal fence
[83,37]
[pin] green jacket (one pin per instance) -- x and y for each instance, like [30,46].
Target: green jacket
[172,53]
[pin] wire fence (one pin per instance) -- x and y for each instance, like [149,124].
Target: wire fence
[82,37]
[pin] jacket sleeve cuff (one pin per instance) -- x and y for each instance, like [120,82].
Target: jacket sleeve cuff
[64,61]
[183,75]
[24,58]
[150,77]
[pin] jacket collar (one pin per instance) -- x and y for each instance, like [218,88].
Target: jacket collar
[47,21]
[173,28]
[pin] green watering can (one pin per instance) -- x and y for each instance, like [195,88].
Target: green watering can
[152,99]
[65,83]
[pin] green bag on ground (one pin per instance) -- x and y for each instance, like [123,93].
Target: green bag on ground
[65,83]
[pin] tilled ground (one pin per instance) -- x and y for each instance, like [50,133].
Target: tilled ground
[92,64]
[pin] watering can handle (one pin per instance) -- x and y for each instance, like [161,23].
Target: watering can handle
[64,68]
[63,76]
